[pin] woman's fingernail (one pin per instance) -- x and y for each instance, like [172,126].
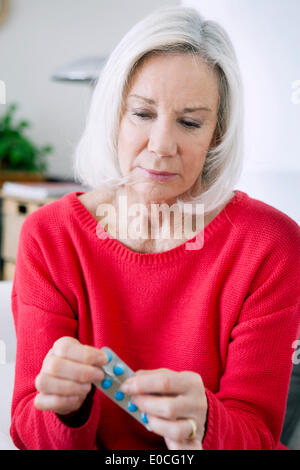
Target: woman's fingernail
[125,388]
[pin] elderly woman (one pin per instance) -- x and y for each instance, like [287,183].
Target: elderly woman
[206,317]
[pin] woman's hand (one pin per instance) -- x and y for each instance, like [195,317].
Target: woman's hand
[182,396]
[67,374]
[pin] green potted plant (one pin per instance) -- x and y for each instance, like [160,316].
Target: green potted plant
[20,158]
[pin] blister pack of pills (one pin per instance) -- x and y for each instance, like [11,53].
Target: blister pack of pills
[116,372]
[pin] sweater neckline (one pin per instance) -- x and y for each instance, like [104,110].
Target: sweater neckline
[91,225]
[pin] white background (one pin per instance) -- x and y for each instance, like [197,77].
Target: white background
[266,38]
[41,35]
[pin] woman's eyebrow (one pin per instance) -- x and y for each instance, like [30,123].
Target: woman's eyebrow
[185,110]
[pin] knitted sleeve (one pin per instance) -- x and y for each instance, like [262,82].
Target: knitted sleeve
[41,314]
[248,410]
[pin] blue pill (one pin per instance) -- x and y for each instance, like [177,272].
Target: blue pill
[119,395]
[109,356]
[118,370]
[106,383]
[132,407]
[144,418]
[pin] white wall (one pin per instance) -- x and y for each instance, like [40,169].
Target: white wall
[266,37]
[39,36]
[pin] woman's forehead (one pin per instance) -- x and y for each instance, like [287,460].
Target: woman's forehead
[185,78]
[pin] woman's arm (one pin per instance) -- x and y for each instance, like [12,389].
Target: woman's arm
[42,315]
[248,410]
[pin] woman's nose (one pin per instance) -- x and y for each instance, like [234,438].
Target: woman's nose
[162,140]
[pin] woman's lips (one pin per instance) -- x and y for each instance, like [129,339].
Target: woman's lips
[159,176]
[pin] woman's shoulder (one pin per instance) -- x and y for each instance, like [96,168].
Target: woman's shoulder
[266,223]
[50,219]
[50,209]
[59,216]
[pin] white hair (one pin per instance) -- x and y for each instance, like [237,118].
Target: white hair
[166,31]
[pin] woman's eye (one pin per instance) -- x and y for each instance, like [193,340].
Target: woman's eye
[187,124]
[191,124]
[142,115]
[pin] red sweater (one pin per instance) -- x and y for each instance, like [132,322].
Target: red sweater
[229,311]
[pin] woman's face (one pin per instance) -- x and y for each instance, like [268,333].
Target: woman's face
[167,125]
